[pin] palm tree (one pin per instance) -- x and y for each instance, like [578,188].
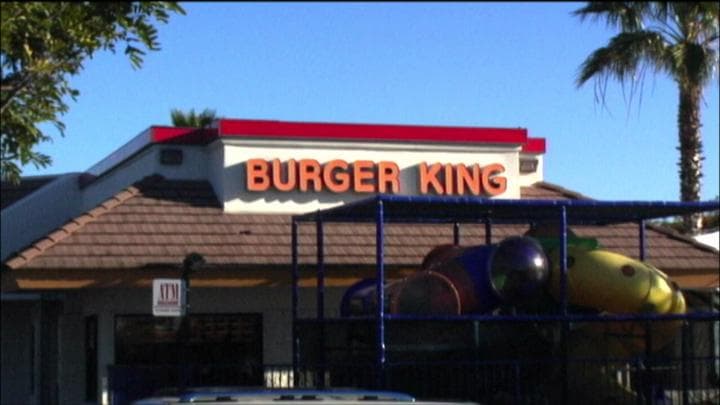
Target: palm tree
[680,39]
[191,119]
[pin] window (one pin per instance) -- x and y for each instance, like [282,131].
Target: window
[91,357]
[220,348]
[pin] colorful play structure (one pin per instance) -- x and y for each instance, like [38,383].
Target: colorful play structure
[547,317]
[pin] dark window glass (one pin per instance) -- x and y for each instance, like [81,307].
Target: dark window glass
[216,344]
[91,357]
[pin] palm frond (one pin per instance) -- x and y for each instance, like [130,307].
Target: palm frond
[191,119]
[623,55]
[627,16]
[626,58]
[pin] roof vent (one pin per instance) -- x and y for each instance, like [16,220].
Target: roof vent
[171,157]
[528,165]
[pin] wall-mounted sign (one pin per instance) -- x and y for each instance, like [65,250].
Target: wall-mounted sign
[168,297]
[364,176]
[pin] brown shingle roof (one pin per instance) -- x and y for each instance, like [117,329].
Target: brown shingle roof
[156,222]
[548,191]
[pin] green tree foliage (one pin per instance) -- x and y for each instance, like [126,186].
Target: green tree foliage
[676,38]
[43,45]
[710,221]
[192,119]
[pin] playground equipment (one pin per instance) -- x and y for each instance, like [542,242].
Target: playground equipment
[455,280]
[565,314]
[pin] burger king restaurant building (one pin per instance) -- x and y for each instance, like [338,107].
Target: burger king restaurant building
[83,252]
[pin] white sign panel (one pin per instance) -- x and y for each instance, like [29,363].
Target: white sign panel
[316,175]
[168,297]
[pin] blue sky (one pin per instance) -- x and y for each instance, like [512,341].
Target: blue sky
[459,64]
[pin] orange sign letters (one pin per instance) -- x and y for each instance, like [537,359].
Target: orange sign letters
[451,179]
[365,176]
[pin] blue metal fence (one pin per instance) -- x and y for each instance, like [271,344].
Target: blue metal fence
[565,374]
[692,380]
[519,361]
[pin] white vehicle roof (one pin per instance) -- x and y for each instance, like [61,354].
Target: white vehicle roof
[220,396]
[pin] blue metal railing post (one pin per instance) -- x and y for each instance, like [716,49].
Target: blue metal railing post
[320,382]
[648,379]
[563,262]
[685,362]
[638,365]
[518,381]
[295,278]
[320,297]
[380,290]
[565,327]
[488,231]
[641,237]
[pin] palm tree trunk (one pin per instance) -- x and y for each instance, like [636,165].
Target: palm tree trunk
[690,150]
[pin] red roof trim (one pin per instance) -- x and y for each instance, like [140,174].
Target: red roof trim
[372,132]
[359,132]
[534,145]
[179,135]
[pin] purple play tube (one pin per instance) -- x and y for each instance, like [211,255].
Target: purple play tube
[455,280]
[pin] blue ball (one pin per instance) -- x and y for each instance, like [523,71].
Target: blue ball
[518,269]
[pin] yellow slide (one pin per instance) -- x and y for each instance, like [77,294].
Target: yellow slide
[615,284]
[611,282]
